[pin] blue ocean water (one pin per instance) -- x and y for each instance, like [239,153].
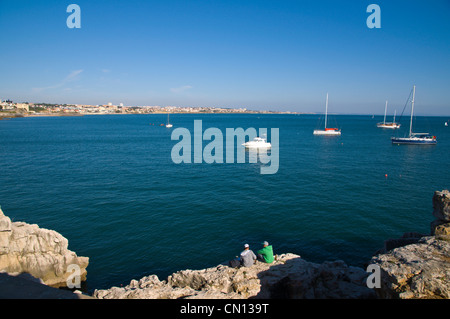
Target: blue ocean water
[108,184]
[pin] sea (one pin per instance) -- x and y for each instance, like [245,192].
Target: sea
[108,184]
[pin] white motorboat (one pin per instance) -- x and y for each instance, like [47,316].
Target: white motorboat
[257,142]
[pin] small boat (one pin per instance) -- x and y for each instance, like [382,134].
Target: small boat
[168,123]
[258,142]
[446,123]
[391,125]
[415,138]
[327,130]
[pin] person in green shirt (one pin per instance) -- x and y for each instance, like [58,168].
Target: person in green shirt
[266,253]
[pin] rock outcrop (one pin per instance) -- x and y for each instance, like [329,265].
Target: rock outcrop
[440,227]
[419,271]
[43,253]
[289,276]
[419,266]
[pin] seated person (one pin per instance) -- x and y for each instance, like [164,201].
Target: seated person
[247,256]
[266,253]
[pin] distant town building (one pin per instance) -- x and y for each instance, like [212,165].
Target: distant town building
[23,106]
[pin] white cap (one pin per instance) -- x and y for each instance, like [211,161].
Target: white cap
[246,246]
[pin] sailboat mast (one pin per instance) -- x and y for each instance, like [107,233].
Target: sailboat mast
[326,112]
[385,110]
[412,111]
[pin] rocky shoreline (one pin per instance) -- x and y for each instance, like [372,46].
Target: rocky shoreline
[40,252]
[415,266]
[288,277]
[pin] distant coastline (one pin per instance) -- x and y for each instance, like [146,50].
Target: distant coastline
[9,109]
[5,115]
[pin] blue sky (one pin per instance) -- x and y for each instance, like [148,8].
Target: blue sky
[258,54]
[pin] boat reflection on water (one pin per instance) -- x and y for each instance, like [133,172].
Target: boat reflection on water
[255,155]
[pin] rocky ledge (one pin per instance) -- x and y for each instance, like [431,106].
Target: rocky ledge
[418,266]
[413,266]
[289,276]
[419,271]
[43,253]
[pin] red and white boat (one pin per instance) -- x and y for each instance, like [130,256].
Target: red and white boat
[327,130]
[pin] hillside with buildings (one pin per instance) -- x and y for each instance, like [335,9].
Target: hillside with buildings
[10,108]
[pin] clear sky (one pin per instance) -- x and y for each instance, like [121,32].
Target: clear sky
[258,54]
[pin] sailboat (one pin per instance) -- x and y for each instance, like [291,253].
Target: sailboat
[168,123]
[415,138]
[327,130]
[391,125]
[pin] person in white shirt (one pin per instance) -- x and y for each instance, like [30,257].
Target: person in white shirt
[247,256]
